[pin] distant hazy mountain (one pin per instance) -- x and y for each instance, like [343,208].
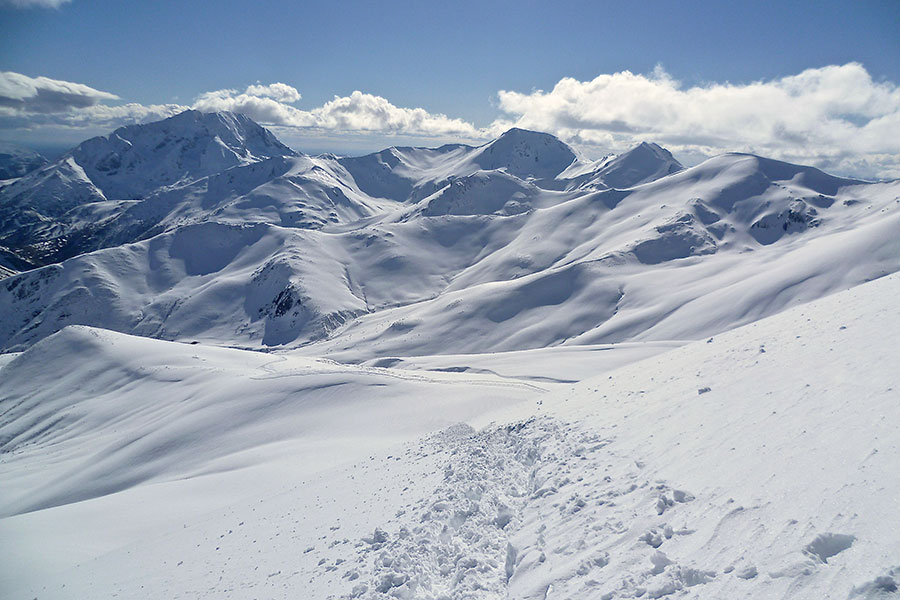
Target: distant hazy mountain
[16,161]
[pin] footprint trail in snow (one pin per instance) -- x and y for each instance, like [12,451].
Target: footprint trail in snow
[540,509]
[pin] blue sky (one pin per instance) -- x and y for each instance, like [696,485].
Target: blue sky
[449,59]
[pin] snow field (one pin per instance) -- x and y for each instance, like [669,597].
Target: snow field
[707,471]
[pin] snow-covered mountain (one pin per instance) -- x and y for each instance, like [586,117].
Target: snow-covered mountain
[16,161]
[459,372]
[410,174]
[104,175]
[488,260]
[142,180]
[642,164]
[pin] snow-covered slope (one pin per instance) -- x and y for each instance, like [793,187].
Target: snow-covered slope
[125,166]
[642,164]
[143,180]
[759,463]
[174,421]
[137,159]
[698,252]
[525,154]
[16,161]
[487,262]
[410,174]
[210,281]
[482,193]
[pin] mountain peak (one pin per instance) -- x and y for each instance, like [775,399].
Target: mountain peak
[650,148]
[645,162]
[519,131]
[135,159]
[526,154]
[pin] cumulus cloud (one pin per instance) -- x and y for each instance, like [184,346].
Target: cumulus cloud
[281,92]
[258,106]
[34,3]
[358,112]
[836,117]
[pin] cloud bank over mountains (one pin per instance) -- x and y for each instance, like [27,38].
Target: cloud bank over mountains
[41,95]
[835,117]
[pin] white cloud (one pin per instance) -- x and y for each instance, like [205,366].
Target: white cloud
[34,3]
[358,112]
[835,117]
[264,109]
[281,92]
[40,102]
[22,94]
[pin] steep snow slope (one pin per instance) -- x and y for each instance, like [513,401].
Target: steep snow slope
[143,180]
[137,159]
[210,281]
[759,463]
[482,193]
[403,174]
[525,154]
[296,192]
[12,262]
[645,163]
[410,174]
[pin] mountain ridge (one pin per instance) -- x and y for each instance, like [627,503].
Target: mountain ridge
[567,254]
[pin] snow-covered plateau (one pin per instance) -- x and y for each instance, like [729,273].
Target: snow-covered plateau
[232,370]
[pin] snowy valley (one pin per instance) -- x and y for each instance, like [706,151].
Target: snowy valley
[231,369]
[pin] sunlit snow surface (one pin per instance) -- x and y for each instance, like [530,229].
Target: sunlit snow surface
[759,463]
[452,373]
[453,250]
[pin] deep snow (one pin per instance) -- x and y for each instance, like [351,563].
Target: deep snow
[758,463]
[460,372]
